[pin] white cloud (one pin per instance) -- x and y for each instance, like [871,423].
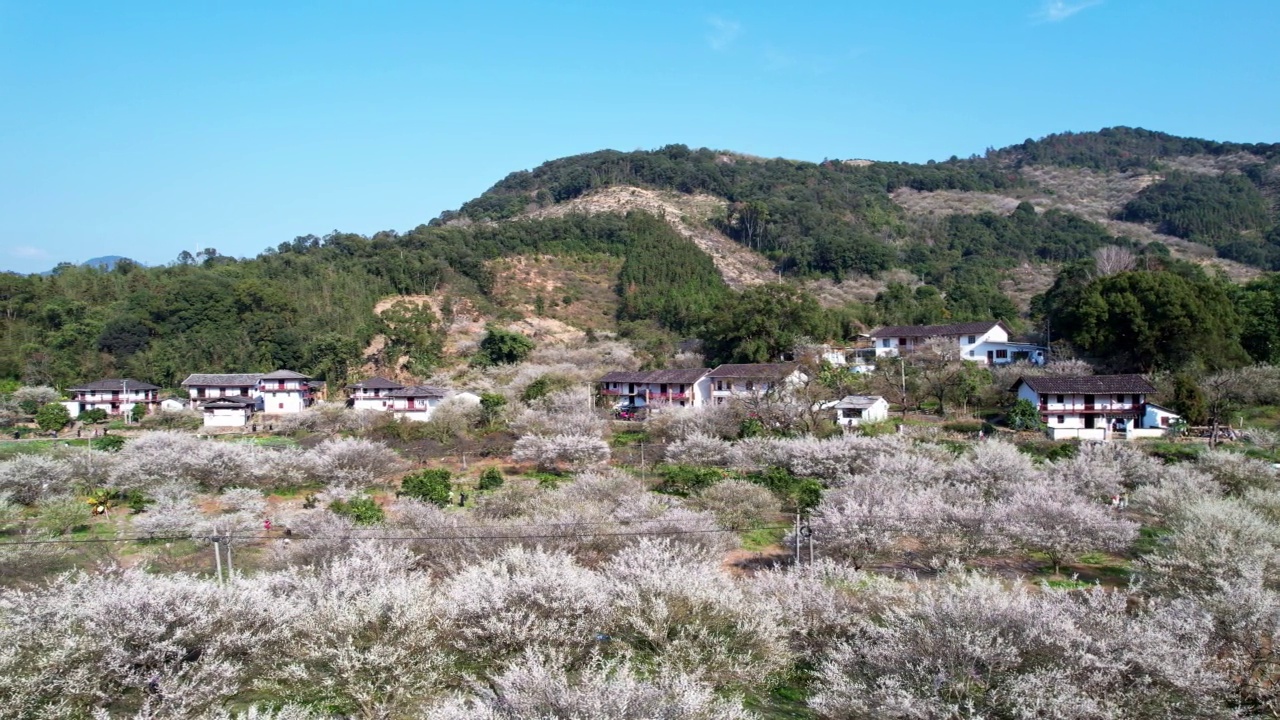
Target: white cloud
[1059,10]
[27,252]
[723,32]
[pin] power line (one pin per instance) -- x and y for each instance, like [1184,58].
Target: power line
[232,536]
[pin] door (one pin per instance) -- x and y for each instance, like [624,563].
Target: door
[991,357]
[1088,402]
[1089,422]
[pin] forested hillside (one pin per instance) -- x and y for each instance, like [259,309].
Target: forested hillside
[309,303]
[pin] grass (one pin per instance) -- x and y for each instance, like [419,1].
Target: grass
[629,437]
[12,448]
[1068,584]
[1264,416]
[268,441]
[762,538]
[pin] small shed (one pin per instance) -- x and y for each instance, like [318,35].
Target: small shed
[855,410]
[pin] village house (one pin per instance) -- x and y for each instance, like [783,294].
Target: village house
[415,402]
[1096,407]
[753,380]
[372,394]
[633,393]
[854,410]
[285,391]
[232,411]
[986,343]
[175,404]
[205,387]
[117,396]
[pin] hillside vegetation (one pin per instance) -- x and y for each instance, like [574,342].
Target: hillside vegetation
[877,242]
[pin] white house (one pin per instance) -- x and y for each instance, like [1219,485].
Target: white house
[228,412]
[1096,407]
[986,343]
[415,402]
[117,396]
[204,387]
[855,410]
[642,391]
[285,391]
[372,394]
[753,380]
[174,404]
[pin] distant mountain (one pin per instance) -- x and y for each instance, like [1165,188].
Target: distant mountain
[107,262]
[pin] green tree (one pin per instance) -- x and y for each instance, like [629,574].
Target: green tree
[761,324]
[331,355]
[491,405]
[138,412]
[503,347]
[1024,415]
[53,416]
[1142,321]
[94,416]
[433,486]
[1188,401]
[490,479]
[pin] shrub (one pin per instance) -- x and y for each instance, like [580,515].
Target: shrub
[361,510]
[108,443]
[61,515]
[31,399]
[138,412]
[96,415]
[686,479]
[490,479]
[433,486]
[1023,416]
[53,416]
[737,504]
[502,347]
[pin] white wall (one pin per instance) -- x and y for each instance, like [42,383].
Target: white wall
[370,403]
[219,417]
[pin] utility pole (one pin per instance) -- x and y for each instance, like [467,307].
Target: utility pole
[231,573]
[797,537]
[217,556]
[903,367]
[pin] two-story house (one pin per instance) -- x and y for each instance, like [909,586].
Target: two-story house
[753,380]
[986,343]
[1095,407]
[117,396]
[206,387]
[415,402]
[372,394]
[285,391]
[639,392]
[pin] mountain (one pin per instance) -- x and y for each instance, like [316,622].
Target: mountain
[106,262]
[669,235]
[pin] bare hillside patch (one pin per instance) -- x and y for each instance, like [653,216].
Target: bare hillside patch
[578,291]
[688,214]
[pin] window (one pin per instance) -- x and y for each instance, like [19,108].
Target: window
[1119,398]
[973,339]
[1062,419]
[1164,422]
[281,406]
[886,343]
[750,386]
[280,385]
[1061,399]
[970,353]
[199,392]
[1002,354]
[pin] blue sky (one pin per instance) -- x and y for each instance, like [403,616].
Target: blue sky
[146,128]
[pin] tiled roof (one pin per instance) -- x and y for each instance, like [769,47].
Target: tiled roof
[679,376]
[858,401]
[414,391]
[231,402]
[928,331]
[376,383]
[125,384]
[285,375]
[222,380]
[1087,384]
[767,371]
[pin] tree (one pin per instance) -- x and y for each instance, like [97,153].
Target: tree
[53,416]
[1144,320]
[361,510]
[30,399]
[1224,391]
[1188,401]
[503,347]
[490,479]
[434,486]
[761,324]
[138,412]
[331,355]
[96,415]
[1024,415]
[491,405]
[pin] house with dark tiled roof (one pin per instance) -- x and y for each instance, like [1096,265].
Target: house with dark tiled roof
[285,391]
[205,387]
[117,396]
[986,343]
[753,380]
[1096,407]
[641,391]
[371,394]
[415,402]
